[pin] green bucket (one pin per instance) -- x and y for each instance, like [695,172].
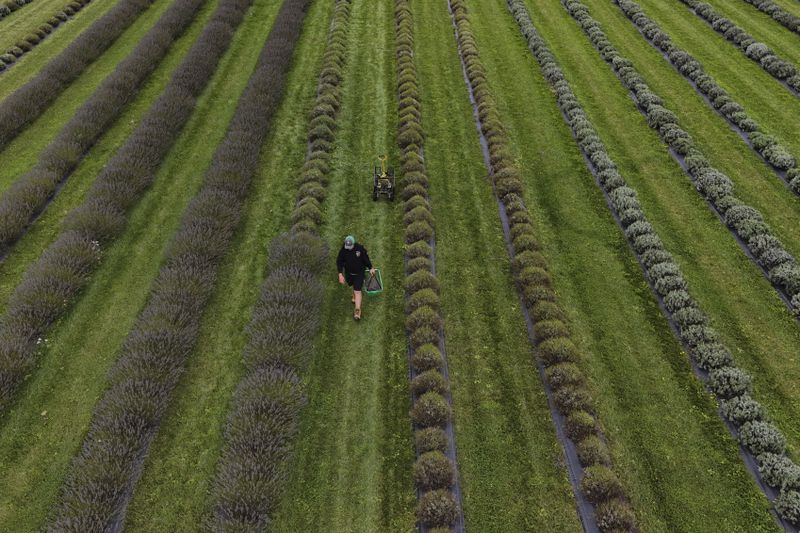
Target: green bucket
[373,284]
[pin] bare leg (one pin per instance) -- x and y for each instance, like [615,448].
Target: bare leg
[353,299]
[358,299]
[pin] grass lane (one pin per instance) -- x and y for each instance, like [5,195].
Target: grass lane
[22,153]
[183,458]
[351,470]
[763,96]
[741,304]
[760,25]
[755,183]
[648,400]
[37,448]
[46,228]
[511,464]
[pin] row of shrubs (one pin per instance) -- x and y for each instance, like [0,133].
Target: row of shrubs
[51,283]
[554,348]
[265,410]
[746,222]
[28,196]
[128,415]
[770,148]
[779,14]
[434,472]
[313,179]
[27,44]
[729,383]
[27,103]
[757,51]
[10,6]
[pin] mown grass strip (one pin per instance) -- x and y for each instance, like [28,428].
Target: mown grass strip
[723,377]
[27,103]
[601,497]
[65,267]
[771,149]
[126,419]
[436,468]
[27,43]
[759,52]
[745,222]
[29,195]
[265,410]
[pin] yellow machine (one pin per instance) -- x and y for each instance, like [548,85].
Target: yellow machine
[383,183]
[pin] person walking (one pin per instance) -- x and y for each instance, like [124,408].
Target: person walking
[351,263]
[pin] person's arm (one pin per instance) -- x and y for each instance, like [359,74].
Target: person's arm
[340,261]
[340,265]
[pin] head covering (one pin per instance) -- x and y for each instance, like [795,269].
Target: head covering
[349,242]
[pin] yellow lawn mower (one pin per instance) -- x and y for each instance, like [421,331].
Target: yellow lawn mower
[383,183]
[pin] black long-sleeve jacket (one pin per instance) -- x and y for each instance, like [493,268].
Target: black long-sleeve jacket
[354,261]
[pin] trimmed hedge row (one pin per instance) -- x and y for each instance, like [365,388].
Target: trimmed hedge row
[777,13]
[53,281]
[29,195]
[126,419]
[434,472]
[265,409]
[767,146]
[10,6]
[554,347]
[313,180]
[27,44]
[28,102]
[744,221]
[757,51]
[728,382]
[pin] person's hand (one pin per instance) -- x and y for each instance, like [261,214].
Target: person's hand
[341,278]
[372,271]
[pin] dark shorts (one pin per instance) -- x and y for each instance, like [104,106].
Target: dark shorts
[355,280]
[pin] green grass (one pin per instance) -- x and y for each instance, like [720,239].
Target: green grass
[37,448]
[20,155]
[354,452]
[650,404]
[764,98]
[183,458]
[27,20]
[511,465]
[744,306]
[45,229]
[760,25]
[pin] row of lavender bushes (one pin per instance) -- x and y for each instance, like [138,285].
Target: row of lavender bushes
[434,472]
[265,409]
[31,40]
[727,381]
[755,50]
[127,417]
[744,221]
[30,101]
[769,147]
[554,347]
[777,13]
[51,284]
[28,196]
